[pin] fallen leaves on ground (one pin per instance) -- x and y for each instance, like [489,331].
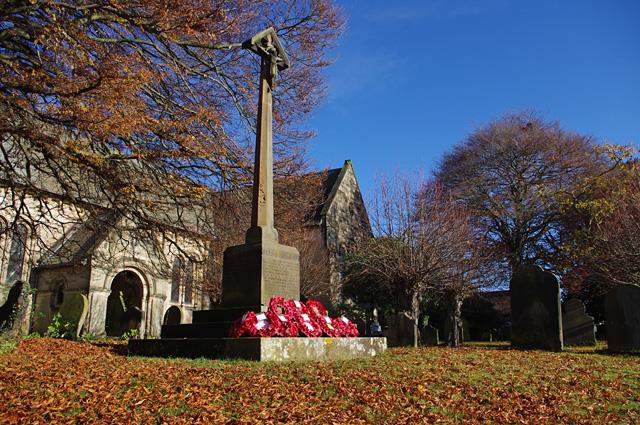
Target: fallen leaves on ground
[44,381]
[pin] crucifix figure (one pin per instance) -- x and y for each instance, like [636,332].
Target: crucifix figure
[272,59]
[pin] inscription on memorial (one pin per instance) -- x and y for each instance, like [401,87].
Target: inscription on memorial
[281,278]
[252,274]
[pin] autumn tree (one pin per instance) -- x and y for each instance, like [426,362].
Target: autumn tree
[143,107]
[602,242]
[423,244]
[512,175]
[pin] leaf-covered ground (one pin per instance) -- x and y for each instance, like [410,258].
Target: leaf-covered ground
[54,381]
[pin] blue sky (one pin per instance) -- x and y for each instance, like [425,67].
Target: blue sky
[412,78]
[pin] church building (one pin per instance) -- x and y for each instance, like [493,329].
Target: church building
[136,279]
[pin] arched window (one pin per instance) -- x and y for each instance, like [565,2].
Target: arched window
[57,296]
[17,253]
[172,316]
[4,231]
[175,280]
[188,283]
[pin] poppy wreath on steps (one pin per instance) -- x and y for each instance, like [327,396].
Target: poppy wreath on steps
[319,313]
[281,317]
[241,326]
[251,324]
[303,320]
[346,327]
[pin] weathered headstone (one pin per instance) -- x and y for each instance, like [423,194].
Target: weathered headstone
[578,328]
[374,328]
[402,331]
[535,310]
[115,324]
[9,310]
[622,314]
[429,335]
[74,311]
[463,334]
[362,326]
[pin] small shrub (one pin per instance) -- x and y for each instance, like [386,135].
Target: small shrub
[130,334]
[91,337]
[6,346]
[60,328]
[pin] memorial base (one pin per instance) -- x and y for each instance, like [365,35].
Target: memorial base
[253,273]
[261,349]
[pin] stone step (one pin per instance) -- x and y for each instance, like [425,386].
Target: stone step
[197,330]
[262,349]
[221,314]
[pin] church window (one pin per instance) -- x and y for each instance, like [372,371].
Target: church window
[175,280]
[57,296]
[17,253]
[188,283]
[3,248]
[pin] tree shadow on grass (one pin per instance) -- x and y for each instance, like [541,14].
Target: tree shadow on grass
[119,348]
[499,345]
[601,351]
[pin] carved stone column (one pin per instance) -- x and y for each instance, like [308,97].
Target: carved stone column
[261,267]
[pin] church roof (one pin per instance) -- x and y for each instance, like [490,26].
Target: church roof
[84,237]
[81,241]
[328,187]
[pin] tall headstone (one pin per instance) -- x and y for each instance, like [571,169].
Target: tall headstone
[429,335]
[578,328]
[261,267]
[9,310]
[74,311]
[402,331]
[535,310]
[622,314]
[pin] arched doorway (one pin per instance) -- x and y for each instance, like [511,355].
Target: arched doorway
[173,316]
[124,305]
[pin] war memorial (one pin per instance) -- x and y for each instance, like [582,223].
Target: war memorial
[258,270]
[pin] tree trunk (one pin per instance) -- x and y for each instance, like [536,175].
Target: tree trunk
[454,319]
[415,312]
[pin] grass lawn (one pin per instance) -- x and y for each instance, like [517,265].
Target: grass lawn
[55,381]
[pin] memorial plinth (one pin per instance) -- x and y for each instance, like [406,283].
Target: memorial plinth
[262,349]
[253,273]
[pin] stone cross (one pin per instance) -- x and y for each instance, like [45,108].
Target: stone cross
[272,59]
[261,268]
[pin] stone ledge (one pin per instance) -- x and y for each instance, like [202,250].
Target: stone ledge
[261,349]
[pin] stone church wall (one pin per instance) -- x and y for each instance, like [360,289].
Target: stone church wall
[346,223]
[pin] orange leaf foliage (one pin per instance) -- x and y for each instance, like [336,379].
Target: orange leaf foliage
[56,381]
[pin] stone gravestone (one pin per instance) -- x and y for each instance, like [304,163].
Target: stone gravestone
[402,331]
[9,310]
[535,310]
[362,326]
[74,311]
[429,335]
[622,314]
[578,328]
